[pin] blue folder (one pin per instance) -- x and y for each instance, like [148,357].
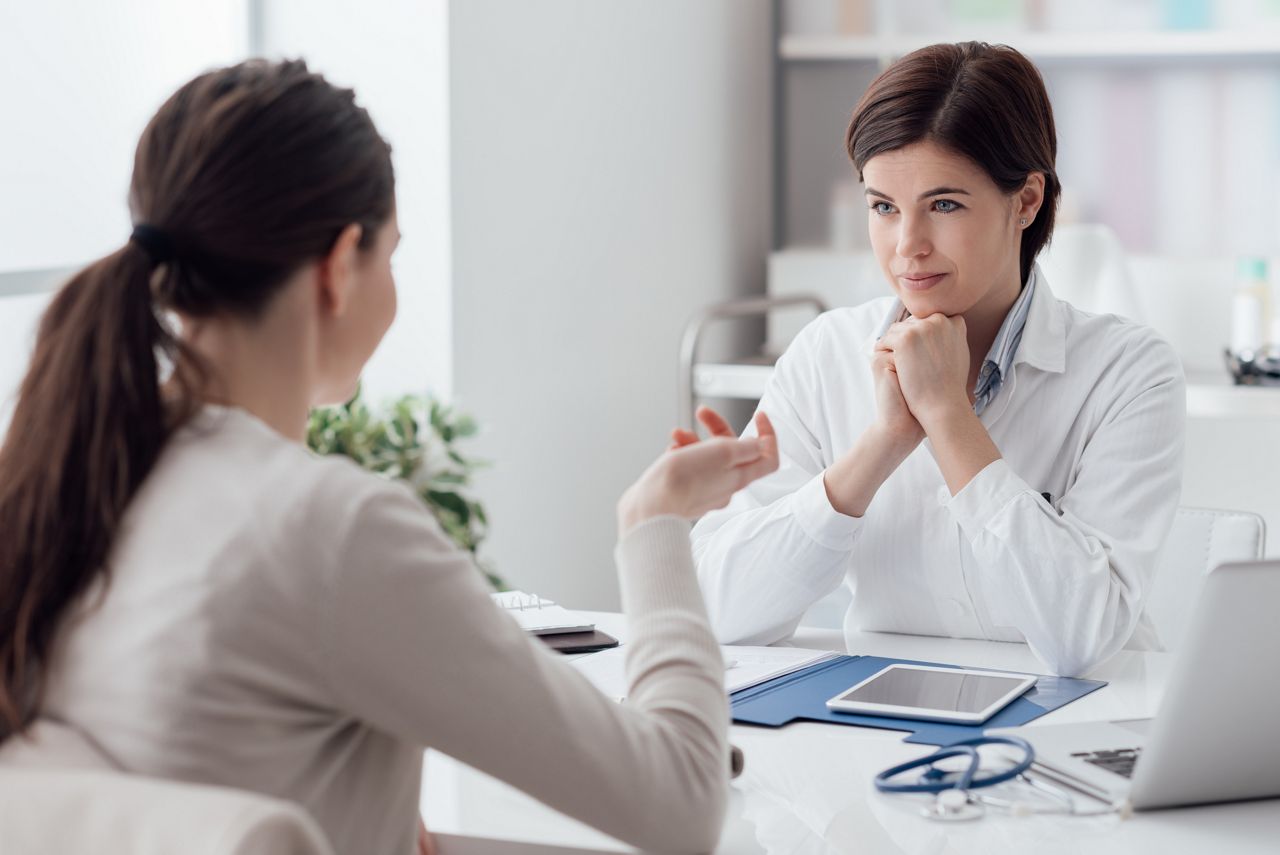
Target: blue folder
[803,695]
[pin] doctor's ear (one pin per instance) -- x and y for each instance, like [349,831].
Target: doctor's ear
[1029,199]
[337,271]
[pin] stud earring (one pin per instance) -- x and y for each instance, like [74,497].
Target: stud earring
[1024,222]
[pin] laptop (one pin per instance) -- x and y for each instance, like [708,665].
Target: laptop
[1216,736]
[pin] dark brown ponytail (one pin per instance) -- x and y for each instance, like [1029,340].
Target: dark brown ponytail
[245,174]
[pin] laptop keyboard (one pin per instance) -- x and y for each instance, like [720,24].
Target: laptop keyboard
[1118,761]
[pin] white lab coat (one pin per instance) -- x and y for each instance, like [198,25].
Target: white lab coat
[1092,413]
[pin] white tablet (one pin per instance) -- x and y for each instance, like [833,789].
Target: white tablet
[933,694]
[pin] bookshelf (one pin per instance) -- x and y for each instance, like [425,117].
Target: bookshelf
[1084,47]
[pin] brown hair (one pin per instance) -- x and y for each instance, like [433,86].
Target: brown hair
[986,102]
[244,175]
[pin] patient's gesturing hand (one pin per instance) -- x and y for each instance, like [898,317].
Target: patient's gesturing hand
[694,477]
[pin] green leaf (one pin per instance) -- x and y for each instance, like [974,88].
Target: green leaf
[399,440]
[465,426]
[450,502]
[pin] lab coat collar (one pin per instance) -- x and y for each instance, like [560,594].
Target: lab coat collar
[1044,338]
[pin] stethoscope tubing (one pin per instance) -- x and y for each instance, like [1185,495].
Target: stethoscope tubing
[968,779]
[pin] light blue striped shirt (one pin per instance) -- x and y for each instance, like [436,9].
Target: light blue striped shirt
[1000,357]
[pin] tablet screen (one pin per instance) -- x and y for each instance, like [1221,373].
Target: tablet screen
[943,689]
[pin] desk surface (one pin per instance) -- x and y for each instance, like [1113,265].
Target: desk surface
[807,787]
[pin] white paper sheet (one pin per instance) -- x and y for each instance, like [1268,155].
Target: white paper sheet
[744,666]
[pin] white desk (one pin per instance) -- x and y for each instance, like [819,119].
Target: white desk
[807,788]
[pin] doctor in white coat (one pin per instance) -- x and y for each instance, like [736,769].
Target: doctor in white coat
[971,456]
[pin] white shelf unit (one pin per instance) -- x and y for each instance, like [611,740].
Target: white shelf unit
[23,283]
[1214,396]
[1082,46]
[1223,67]
[730,380]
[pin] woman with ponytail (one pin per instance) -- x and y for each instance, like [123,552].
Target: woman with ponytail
[196,596]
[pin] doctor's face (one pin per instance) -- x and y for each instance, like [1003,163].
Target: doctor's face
[945,236]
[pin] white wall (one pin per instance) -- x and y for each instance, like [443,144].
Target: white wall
[79,80]
[394,53]
[82,77]
[611,175]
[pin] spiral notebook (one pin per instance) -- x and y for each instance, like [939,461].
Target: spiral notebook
[537,616]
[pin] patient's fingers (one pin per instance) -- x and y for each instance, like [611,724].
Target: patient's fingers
[680,437]
[714,422]
[764,427]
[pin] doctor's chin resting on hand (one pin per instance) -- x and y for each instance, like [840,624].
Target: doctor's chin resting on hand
[970,455]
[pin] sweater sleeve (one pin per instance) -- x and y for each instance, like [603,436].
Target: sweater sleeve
[416,648]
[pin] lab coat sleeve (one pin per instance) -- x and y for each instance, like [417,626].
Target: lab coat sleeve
[1073,580]
[779,546]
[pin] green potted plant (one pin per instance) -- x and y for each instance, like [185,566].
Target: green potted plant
[415,439]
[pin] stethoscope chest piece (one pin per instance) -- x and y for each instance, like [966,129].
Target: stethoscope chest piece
[953,806]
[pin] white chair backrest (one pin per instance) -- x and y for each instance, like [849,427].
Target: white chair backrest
[90,810]
[1086,265]
[57,794]
[1200,539]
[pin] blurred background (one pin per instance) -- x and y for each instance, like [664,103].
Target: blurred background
[579,180]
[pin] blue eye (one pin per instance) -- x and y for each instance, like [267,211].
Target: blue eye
[946,206]
[884,209]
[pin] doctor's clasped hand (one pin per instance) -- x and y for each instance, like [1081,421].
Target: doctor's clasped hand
[930,357]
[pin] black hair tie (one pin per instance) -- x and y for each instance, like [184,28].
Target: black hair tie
[154,242]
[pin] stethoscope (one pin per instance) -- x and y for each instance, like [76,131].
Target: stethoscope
[955,799]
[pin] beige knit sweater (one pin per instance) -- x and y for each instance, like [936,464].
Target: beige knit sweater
[296,626]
